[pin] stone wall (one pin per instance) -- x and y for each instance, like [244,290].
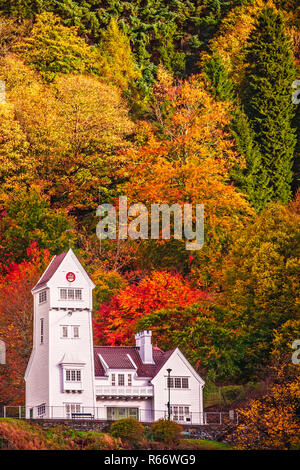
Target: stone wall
[207,432]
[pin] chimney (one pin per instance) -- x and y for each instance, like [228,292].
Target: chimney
[143,342]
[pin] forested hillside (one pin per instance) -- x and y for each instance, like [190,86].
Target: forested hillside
[164,102]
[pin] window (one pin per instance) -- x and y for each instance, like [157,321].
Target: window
[42,296]
[180,412]
[64,331]
[113,380]
[73,375]
[121,380]
[63,294]
[75,331]
[129,380]
[70,294]
[178,382]
[78,294]
[42,330]
[72,408]
[185,382]
[42,409]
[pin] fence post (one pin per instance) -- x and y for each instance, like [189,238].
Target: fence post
[4,411]
[220,417]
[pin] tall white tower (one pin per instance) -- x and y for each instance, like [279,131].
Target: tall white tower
[60,373]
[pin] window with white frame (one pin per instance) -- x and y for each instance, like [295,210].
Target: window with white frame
[178,382]
[71,408]
[64,331]
[70,331]
[42,409]
[121,380]
[42,330]
[75,329]
[180,412]
[71,294]
[42,296]
[113,380]
[129,380]
[73,375]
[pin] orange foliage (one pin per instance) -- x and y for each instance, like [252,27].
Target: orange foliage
[114,322]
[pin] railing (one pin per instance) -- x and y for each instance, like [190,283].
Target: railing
[100,413]
[106,390]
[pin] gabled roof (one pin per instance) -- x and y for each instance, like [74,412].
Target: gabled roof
[50,271]
[116,357]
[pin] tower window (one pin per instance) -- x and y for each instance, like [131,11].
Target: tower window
[42,296]
[42,330]
[70,294]
[75,331]
[64,331]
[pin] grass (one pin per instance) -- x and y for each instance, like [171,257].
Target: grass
[200,444]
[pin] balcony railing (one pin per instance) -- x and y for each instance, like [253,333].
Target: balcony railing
[107,390]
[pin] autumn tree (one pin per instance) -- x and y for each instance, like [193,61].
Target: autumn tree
[16,321]
[190,151]
[52,49]
[270,423]
[262,280]
[115,320]
[119,66]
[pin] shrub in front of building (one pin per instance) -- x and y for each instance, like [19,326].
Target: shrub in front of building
[129,430]
[166,431]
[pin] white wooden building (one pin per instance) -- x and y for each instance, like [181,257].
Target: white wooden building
[68,377]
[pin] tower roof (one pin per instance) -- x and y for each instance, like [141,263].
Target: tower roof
[52,268]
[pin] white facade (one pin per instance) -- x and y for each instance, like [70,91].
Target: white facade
[63,380]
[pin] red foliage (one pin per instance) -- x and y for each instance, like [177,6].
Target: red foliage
[16,320]
[114,322]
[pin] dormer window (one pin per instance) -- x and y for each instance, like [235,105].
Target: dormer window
[42,296]
[70,294]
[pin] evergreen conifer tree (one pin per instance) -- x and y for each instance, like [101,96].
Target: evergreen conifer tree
[268,101]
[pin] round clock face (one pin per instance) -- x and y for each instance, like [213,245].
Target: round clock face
[70,277]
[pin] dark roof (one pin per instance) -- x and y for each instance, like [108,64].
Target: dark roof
[52,268]
[116,357]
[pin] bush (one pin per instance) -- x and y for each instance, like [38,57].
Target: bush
[166,431]
[129,430]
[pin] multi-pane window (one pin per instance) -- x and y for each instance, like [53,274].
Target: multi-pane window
[121,380]
[72,408]
[42,330]
[180,412]
[41,409]
[178,382]
[129,380]
[42,296]
[113,380]
[70,294]
[73,375]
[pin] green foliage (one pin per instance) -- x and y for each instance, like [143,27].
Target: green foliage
[29,218]
[252,179]
[221,85]
[129,430]
[166,431]
[262,281]
[268,104]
